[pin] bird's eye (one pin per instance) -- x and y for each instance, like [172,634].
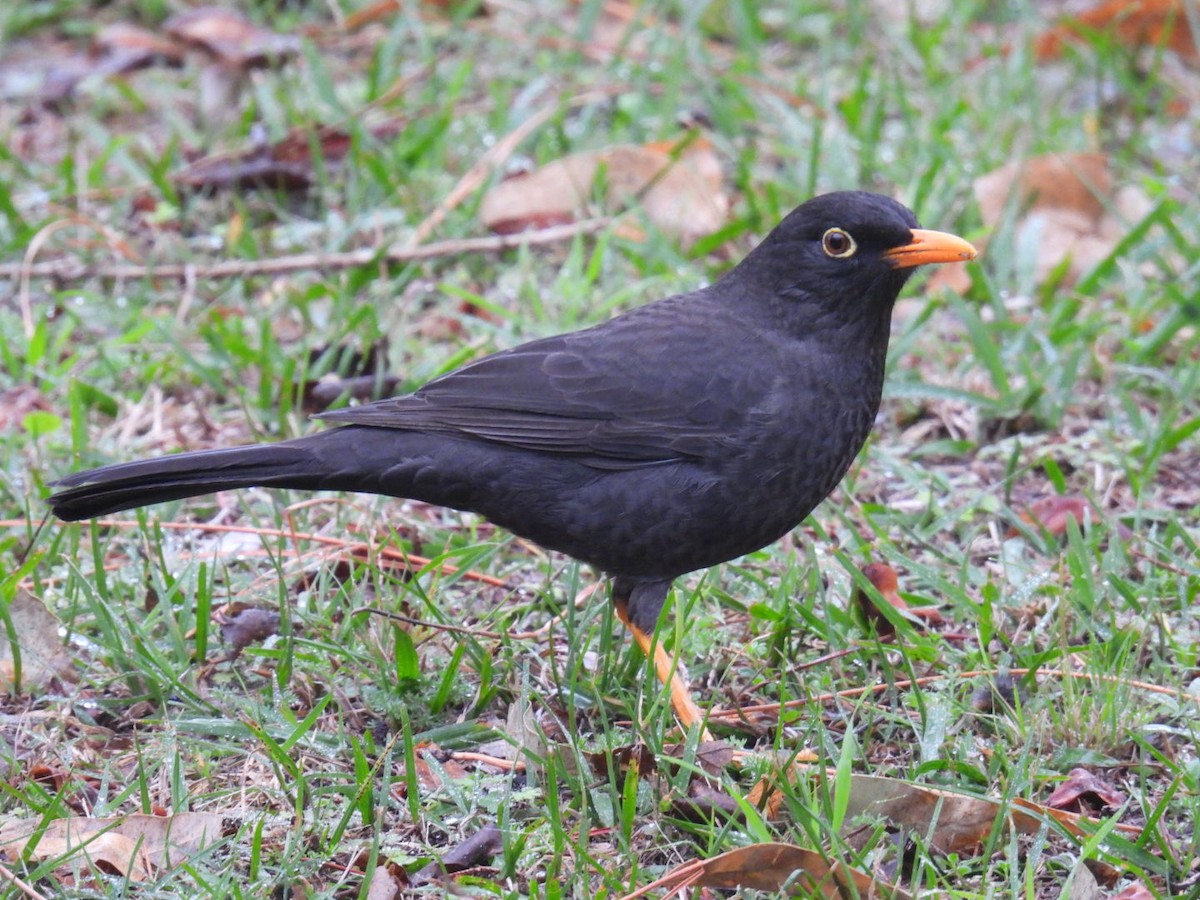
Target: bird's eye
[838,244]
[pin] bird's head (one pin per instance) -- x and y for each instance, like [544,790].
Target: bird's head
[843,257]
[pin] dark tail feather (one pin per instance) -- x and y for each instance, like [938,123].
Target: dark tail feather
[111,489]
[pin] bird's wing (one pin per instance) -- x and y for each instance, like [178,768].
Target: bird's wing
[661,384]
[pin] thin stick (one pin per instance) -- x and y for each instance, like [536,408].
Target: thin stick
[475,176]
[580,598]
[349,546]
[11,877]
[66,270]
[777,708]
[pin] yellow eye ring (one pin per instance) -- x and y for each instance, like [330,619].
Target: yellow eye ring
[838,244]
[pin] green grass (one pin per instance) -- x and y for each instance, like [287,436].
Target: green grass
[330,745]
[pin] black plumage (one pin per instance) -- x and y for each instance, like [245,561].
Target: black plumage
[670,438]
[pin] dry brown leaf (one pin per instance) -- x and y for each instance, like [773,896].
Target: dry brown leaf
[112,853]
[257,169]
[18,402]
[1068,208]
[286,165]
[35,633]
[1052,513]
[681,194]
[129,47]
[134,846]
[118,48]
[1135,891]
[704,802]
[1073,182]
[1135,23]
[1083,885]
[954,278]
[384,885]
[775,867]
[953,822]
[637,758]
[996,694]
[476,850]
[885,580]
[231,38]
[429,778]
[712,757]
[766,796]
[245,625]
[1082,785]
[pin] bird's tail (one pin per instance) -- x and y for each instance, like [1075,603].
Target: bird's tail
[111,489]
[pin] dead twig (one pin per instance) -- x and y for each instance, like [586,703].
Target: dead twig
[580,599]
[7,874]
[776,709]
[411,560]
[70,270]
[479,173]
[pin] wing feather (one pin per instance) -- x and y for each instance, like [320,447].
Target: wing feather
[596,394]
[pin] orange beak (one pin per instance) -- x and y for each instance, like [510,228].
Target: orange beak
[930,247]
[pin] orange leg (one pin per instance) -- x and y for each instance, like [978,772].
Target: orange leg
[686,710]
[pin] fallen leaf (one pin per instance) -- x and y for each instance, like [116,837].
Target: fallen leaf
[637,758]
[775,867]
[1135,23]
[953,822]
[1054,512]
[476,850]
[704,803]
[1104,875]
[953,278]
[127,47]
[1083,885]
[134,846]
[384,885]
[1135,891]
[345,371]
[286,165]
[117,48]
[437,325]
[766,796]
[1074,182]
[885,580]
[39,653]
[77,791]
[713,757]
[110,852]
[679,188]
[1067,207]
[245,625]
[257,169]
[996,695]
[231,38]
[53,780]
[1082,786]
[18,402]
[427,779]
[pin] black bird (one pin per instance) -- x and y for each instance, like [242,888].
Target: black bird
[676,436]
